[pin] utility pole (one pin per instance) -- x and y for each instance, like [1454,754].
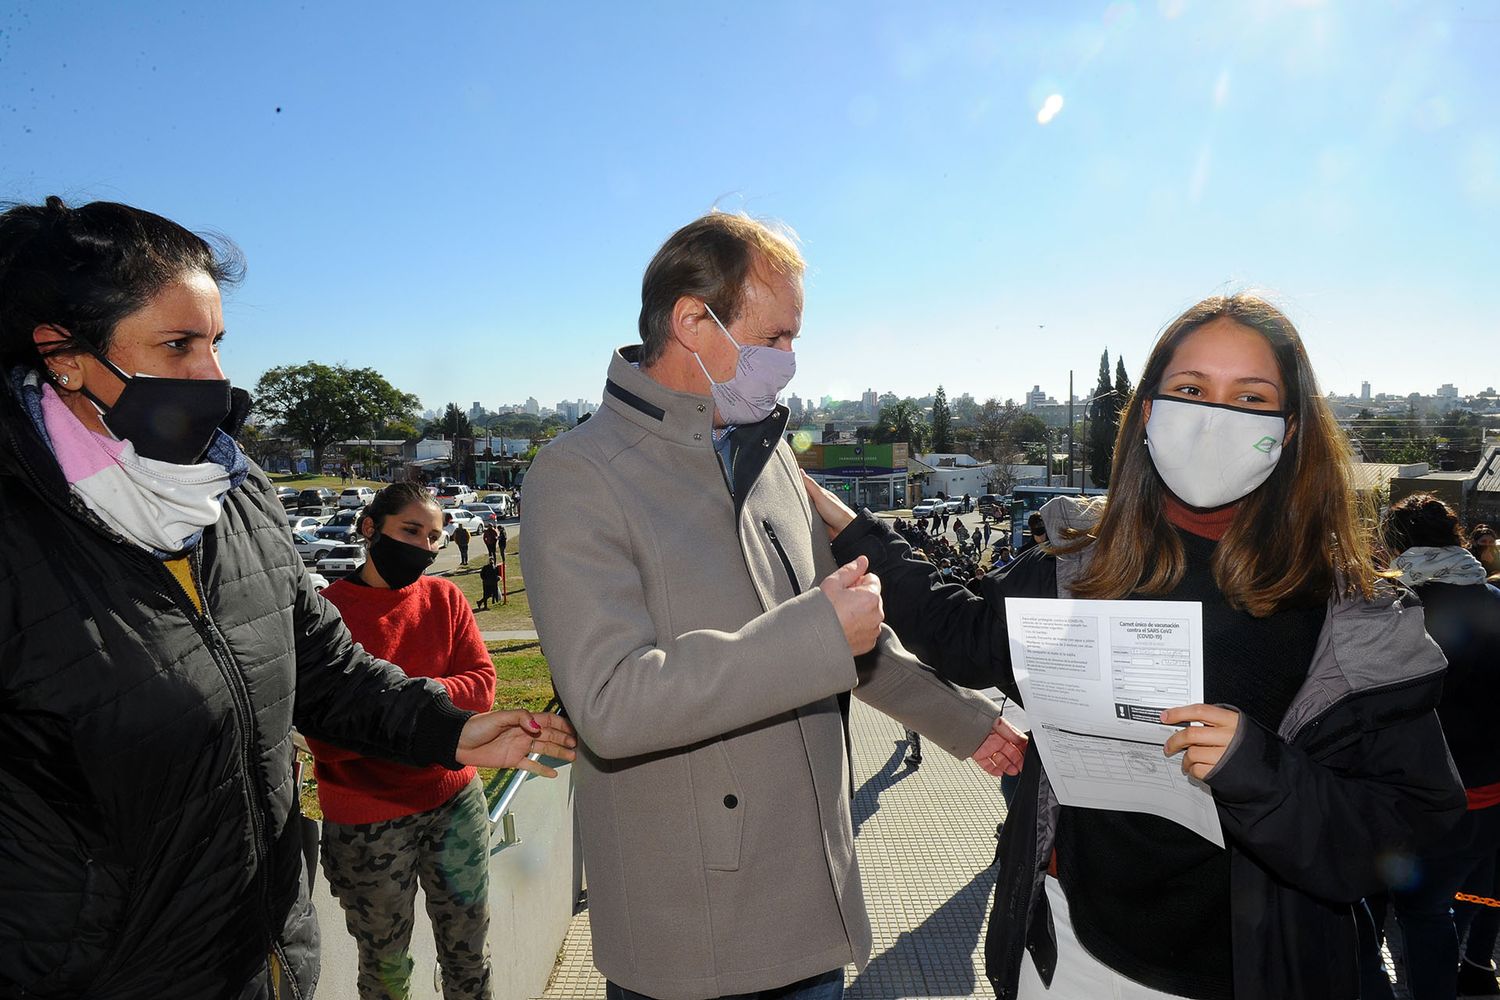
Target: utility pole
[1070,427]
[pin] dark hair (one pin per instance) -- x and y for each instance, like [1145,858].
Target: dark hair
[393,499]
[709,258]
[84,269]
[1034,524]
[1308,505]
[1420,519]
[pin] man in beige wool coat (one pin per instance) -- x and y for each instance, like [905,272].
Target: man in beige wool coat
[705,645]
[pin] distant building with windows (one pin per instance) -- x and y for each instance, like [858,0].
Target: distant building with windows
[1036,397]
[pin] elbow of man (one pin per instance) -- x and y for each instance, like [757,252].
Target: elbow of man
[608,732]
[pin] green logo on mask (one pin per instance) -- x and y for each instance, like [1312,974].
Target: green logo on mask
[1265,444]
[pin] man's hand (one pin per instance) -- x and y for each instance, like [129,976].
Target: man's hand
[836,516]
[1204,744]
[856,600]
[507,739]
[1003,749]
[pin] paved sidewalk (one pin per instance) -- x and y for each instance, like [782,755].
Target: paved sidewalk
[925,842]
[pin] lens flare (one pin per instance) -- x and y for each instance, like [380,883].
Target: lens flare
[1050,107]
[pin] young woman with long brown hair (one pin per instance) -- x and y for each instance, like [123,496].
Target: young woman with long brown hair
[1318,739]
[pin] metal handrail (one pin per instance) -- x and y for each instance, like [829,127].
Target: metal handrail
[517,776]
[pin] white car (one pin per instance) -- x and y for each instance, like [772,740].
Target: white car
[927,508]
[454,494]
[499,501]
[342,561]
[301,522]
[356,496]
[310,547]
[319,581]
[454,516]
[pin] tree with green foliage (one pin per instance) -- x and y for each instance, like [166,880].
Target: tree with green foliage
[317,405]
[453,424]
[1100,444]
[994,428]
[901,421]
[1123,389]
[942,423]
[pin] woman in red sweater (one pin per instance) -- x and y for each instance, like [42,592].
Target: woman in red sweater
[386,826]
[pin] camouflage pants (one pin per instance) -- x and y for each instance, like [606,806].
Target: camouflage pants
[373,870]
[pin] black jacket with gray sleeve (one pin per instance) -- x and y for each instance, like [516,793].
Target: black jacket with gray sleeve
[149,840]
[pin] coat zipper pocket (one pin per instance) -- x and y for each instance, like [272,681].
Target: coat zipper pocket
[786,563]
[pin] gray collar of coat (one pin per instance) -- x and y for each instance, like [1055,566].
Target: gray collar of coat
[684,417]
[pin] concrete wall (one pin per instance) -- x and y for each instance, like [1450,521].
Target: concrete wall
[533,885]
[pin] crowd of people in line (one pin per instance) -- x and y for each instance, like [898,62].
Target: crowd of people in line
[161,642]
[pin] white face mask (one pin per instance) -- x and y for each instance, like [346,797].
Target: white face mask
[749,396]
[1209,454]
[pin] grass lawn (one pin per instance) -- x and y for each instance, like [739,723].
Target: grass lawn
[522,681]
[516,612]
[308,481]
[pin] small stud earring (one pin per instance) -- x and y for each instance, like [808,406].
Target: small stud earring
[62,379]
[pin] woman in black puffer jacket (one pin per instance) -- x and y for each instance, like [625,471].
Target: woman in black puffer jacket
[159,638]
[1462,613]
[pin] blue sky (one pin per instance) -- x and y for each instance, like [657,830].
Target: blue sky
[464,195]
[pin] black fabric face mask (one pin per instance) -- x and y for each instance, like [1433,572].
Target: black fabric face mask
[167,419]
[399,563]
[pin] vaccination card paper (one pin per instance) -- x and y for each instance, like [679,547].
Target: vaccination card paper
[1095,677]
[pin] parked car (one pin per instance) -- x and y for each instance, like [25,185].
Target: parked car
[499,501]
[287,495]
[356,496]
[312,548]
[302,522]
[341,527]
[454,494]
[455,516]
[342,561]
[317,502]
[486,512]
[993,505]
[926,508]
[318,580]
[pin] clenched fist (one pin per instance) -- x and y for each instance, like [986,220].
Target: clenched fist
[856,600]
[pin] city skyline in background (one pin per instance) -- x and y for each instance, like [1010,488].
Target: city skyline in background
[1446,396]
[466,199]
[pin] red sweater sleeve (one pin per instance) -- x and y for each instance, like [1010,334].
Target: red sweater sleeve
[470,678]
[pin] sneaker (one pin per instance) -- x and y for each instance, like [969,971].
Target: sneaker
[1476,981]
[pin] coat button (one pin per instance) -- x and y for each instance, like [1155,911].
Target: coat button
[701,407]
[730,802]
[697,437]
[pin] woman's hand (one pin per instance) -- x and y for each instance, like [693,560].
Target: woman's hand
[1003,749]
[836,516]
[1205,744]
[506,739]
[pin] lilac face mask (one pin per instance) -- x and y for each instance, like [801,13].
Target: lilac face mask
[749,396]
